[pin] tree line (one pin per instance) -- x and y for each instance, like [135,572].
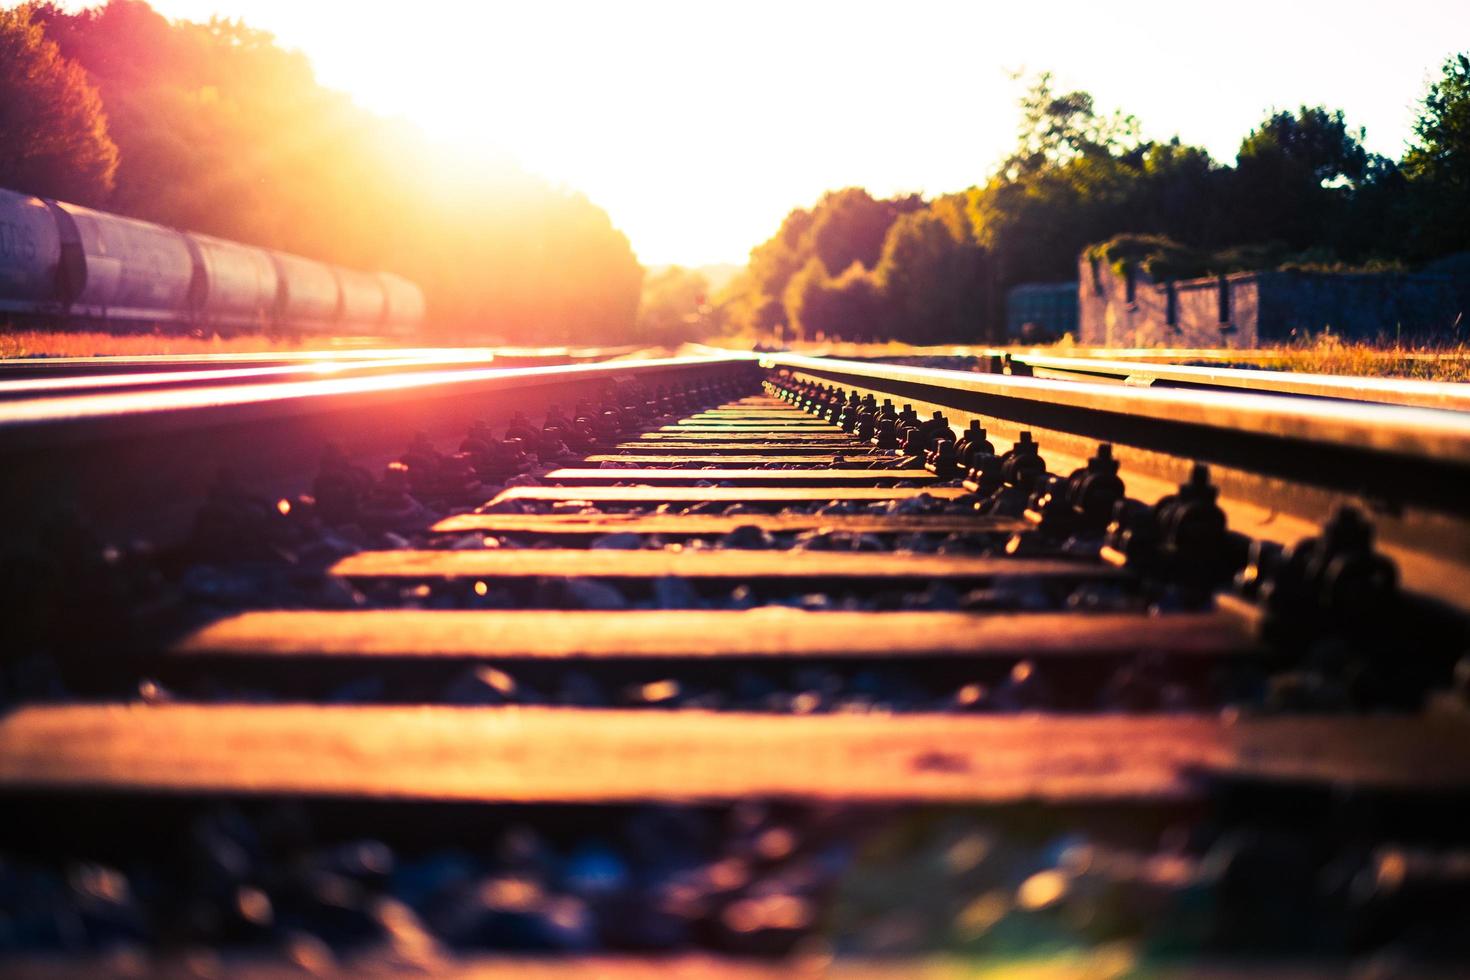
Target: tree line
[213,127]
[1303,191]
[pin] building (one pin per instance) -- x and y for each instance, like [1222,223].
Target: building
[1050,306]
[1250,309]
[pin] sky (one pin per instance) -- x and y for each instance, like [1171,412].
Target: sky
[699,124]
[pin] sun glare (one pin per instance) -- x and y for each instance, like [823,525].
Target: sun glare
[697,126]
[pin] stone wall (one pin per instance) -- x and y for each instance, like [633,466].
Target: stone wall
[1248,309]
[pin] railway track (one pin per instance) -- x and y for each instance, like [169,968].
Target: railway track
[733,668]
[42,377]
[1199,370]
[1388,391]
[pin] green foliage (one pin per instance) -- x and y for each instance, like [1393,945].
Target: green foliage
[1314,261]
[1294,175]
[1034,226]
[804,297]
[1443,126]
[1437,167]
[220,130]
[1256,255]
[773,263]
[845,229]
[1059,127]
[53,131]
[933,275]
[1304,194]
[1158,257]
[849,226]
[1314,144]
[1162,259]
[849,306]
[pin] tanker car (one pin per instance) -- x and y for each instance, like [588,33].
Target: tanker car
[70,265]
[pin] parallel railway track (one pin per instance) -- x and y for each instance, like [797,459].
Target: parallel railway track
[42,377]
[1198,370]
[728,659]
[1388,391]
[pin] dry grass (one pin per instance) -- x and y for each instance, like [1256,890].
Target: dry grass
[1329,355]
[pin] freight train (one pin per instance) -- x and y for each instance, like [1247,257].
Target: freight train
[70,265]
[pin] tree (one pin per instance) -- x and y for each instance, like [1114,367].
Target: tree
[934,279]
[1437,167]
[220,130]
[1057,127]
[845,228]
[856,307]
[1035,226]
[774,262]
[53,132]
[1293,173]
[849,226]
[804,299]
[850,306]
[1315,142]
[1304,190]
[1181,193]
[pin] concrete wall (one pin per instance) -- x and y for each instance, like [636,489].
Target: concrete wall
[1108,317]
[1259,307]
[1052,306]
[1360,306]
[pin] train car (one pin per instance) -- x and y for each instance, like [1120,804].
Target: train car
[405,304]
[235,286]
[135,271]
[63,263]
[308,296]
[364,301]
[37,271]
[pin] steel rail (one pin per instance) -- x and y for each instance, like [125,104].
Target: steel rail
[86,416]
[1392,391]
[1282,464]
[54,367]
[1412,432]
[45,367]
[137,461]
[1149,367]
[1167,355]
[87,383]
